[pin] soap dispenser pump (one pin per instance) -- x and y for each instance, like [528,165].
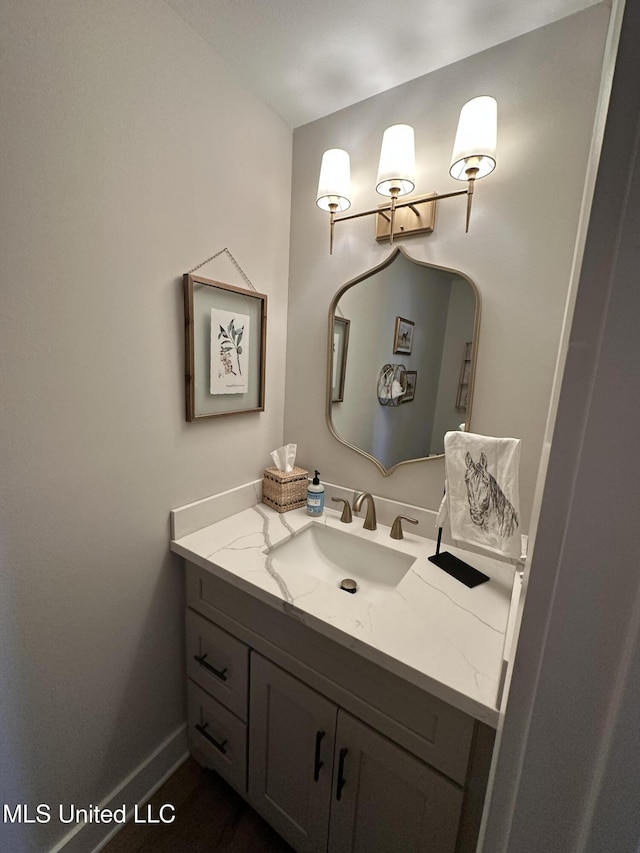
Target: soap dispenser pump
[315,496]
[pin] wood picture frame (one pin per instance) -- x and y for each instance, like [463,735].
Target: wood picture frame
[465,377]
[225,348]
[339,358]
[410,393]
[403,336]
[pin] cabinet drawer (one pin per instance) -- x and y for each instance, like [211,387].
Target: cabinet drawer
[217,739]
[218,662]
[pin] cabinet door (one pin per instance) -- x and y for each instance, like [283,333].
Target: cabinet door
[291,744]
[385,799]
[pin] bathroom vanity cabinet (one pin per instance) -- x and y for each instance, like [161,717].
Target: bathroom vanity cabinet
[320,775]
[336,752]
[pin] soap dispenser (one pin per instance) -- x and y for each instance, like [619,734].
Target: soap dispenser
[315,496]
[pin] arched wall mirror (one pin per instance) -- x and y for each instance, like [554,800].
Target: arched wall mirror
[414,325]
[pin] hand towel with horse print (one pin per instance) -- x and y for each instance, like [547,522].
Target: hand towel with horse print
[482,498]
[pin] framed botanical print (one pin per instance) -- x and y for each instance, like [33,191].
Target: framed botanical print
[225,346]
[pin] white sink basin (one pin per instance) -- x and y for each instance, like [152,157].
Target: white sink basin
[332,556]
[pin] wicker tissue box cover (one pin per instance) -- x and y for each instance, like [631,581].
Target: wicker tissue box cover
[284,491]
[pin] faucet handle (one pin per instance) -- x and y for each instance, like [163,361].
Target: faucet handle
[396,527]
[346,517]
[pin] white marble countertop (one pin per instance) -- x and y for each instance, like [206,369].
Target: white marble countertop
[431,630]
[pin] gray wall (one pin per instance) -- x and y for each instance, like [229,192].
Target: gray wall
[518,251]
[460,319]
[129,153]
[393,433]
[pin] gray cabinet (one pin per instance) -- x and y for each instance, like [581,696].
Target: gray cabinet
[217,738]
[385,799]
[291,741]
[218,662]
[337,753]
[382,798]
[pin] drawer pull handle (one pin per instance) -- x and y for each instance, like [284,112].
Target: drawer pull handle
[219,673]
[341,779]
[220,746]
[317,763]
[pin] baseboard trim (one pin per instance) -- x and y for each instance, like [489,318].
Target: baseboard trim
[134,790]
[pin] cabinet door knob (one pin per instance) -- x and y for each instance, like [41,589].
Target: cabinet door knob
[219,673]
[317,764]
[341,780]
[219,745]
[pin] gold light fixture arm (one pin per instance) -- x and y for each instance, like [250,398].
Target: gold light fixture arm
[398,205]
[472,171]
[469,202]
[388,211]
[332,219]
[394,199]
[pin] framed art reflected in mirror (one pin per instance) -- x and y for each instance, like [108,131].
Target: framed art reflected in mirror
[403,336]
[339,356]
[465,376]
[410,393]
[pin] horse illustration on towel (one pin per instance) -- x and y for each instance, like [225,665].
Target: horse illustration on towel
[489,508]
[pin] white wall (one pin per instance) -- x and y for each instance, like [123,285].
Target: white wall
[518,251]
[129,153]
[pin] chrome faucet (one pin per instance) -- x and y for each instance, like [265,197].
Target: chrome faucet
[370,520]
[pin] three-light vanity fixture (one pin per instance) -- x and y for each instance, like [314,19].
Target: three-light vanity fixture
[474,157]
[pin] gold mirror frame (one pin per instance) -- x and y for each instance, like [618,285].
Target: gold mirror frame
[330,340]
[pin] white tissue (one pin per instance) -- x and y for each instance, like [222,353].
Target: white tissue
[284,457]
[393,391]
[396,390]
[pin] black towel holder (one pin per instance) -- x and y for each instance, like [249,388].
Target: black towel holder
[457,568]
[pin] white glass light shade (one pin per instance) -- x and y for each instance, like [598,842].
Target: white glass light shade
[397,161]
[475,144]
[334,186]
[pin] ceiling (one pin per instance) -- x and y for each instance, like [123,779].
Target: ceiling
[309,58]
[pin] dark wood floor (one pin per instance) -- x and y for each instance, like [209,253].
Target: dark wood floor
[210,818]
